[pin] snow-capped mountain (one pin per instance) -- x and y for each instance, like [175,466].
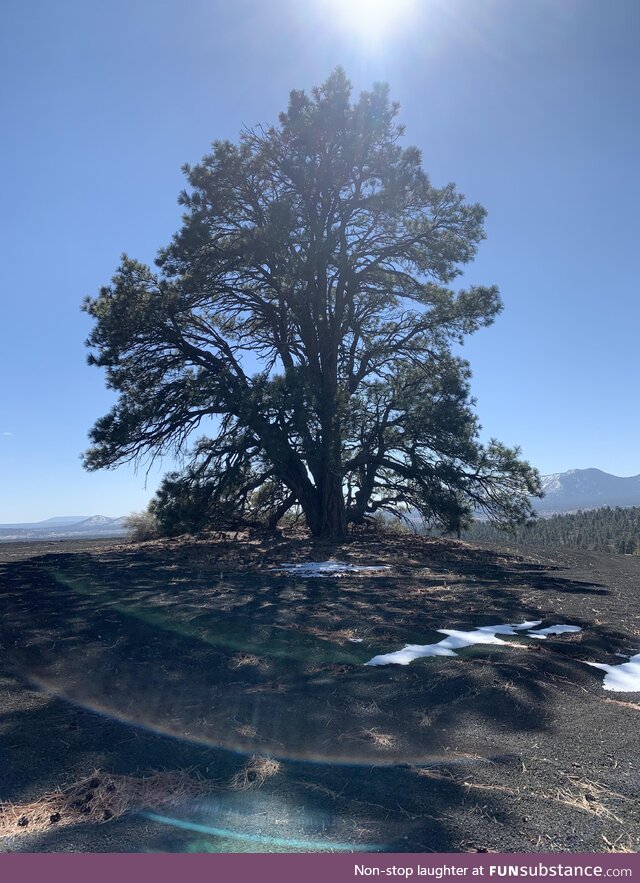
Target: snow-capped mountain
[96,521]
[587,489]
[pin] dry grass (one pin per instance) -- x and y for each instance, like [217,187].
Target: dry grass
[321,789]
[587,796]
[97,799]
[432,773]
[267,688]
[623,843]
[479,786]
[367,708]
[242,659]
[384,741]
[255,773]
[247,731]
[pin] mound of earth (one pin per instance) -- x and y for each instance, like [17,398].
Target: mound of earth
[219,663]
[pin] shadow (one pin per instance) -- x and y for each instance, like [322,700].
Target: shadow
[130,660]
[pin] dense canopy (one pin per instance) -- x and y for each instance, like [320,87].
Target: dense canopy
[306,306]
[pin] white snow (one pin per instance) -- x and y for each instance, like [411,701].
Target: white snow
[486,634]
[410,652]
[455,640]
[555,630]
[330,568]
[624,678]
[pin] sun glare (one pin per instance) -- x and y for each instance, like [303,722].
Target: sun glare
[372,20]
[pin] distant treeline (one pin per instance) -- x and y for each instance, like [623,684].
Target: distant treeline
[597,530]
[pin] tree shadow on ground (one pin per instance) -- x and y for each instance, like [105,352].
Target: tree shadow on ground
[152,661]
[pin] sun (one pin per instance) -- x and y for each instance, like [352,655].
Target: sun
[373,20]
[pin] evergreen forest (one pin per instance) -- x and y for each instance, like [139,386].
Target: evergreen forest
[614,530]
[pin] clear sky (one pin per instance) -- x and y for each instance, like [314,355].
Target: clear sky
[531,107]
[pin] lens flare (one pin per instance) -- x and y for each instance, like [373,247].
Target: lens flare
[261,842]
[371,20]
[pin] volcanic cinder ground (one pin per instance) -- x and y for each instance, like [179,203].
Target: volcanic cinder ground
[210,695]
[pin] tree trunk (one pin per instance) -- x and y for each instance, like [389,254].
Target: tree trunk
[328,477]
[281,511]
[327,515]
[325,511]
[333,522]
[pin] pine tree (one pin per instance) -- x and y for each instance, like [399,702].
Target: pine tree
[319,247]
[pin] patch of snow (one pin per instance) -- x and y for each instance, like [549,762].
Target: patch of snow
[410,652]
[330,568]
[624,678]
[455,640]
[555,630]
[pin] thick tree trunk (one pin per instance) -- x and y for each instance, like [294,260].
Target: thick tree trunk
[325,514]
[333,523]
[326,511]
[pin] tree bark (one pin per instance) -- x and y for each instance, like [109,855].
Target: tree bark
[281,511]
[333,523]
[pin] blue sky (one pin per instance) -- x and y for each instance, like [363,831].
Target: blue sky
[530,107]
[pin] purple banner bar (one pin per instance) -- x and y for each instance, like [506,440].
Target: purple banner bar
[311,868]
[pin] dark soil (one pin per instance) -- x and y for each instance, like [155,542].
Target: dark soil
[196,655]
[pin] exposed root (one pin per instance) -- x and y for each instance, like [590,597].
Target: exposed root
[633,705]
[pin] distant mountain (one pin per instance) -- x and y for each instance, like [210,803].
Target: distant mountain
[65,527]
[99,523]
[564,492]
[58,521]
[586,489]
[61,519]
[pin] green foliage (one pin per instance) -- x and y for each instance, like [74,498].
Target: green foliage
[597,530]
[194,500]
[320,248]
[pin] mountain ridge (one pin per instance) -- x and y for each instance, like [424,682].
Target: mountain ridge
[62,527]
[587,489]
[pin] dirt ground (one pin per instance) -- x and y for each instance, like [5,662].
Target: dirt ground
[185,696]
